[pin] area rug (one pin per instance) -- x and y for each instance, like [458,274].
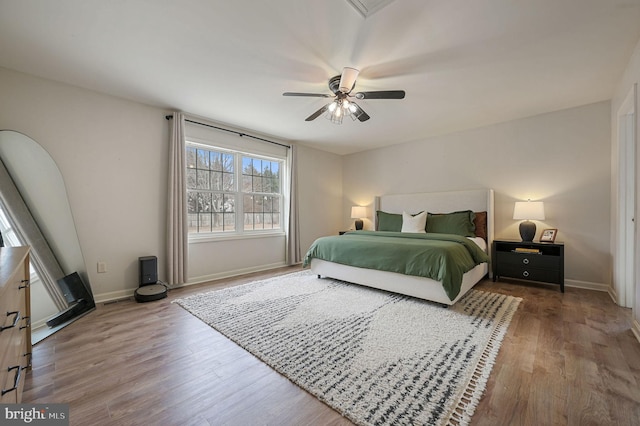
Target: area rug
[376,357]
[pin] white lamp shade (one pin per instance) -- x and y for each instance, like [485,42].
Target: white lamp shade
[348,79]
[528,210]
[358,212]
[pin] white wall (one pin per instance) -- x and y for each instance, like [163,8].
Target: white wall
[630,78]
[561,158]
[113,156]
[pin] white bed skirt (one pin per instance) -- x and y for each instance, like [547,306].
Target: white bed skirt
[423,288]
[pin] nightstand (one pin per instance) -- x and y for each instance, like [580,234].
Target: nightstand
[543,262]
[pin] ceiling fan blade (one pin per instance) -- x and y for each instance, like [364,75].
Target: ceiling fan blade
[314,95]
[359,113]
[318,113]
[348,79]
[381,94]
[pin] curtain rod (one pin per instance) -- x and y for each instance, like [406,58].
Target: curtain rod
[169,117]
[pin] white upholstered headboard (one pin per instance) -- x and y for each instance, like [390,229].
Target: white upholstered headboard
[477,200]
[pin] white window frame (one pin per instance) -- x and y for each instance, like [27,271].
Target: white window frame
[240,232]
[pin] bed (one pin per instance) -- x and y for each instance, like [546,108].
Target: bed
[480,202]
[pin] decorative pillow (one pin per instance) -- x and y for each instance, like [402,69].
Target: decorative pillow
[389,221]
[415,223]
[460,223]
[480,222]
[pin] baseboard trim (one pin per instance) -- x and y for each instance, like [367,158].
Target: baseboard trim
[114,295]
[613,294]
[587,285]
[128,293]
[234,273]
[39,324]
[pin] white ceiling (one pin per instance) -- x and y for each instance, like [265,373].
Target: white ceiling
[463,63]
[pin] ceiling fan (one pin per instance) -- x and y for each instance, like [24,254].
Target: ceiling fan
[342,104]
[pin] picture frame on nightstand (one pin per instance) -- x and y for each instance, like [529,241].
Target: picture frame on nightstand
[548,235]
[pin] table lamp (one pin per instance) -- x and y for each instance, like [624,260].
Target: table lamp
[358,212]
[528,210]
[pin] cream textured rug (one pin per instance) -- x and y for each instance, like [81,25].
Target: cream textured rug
[376,357]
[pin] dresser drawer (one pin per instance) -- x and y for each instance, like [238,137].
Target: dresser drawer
[12,381]
[15,337]
[532,274]
[10,321]
[528,260]
[11,298]
[12,364]
[14,340]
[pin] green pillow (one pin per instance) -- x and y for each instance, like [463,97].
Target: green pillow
[389,221]
[459,223]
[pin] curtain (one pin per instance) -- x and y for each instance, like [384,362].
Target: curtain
[177,232]
[28,232]
[293,252]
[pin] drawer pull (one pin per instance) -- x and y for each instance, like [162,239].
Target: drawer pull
[26,284]
[525,261]
[30,355]
[27,323]
[525,274]
[15,320]
[16,379]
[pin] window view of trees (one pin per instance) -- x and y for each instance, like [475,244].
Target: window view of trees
[261,189]
[212,191]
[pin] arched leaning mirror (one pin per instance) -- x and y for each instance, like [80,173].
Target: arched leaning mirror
[35,211]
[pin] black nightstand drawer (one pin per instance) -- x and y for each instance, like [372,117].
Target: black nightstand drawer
[528,260]
[531,274]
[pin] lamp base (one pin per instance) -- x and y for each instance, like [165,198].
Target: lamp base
[527,231]
[359,224]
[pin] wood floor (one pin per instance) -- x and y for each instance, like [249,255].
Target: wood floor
[567,359]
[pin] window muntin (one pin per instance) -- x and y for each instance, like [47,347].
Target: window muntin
[217,204]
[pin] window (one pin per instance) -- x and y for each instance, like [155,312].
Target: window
[9,238]
[232,192]
[261,197]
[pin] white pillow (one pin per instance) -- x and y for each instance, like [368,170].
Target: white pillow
[415,223]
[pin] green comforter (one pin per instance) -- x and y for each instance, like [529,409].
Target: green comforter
[441,257]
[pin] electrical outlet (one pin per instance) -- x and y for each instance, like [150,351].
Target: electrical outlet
[102,267]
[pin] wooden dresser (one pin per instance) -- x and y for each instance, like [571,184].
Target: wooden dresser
[15,322]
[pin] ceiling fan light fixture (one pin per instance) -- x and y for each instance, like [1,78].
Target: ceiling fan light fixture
[341,86]
[348,79]
[336,116]
[340,108]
